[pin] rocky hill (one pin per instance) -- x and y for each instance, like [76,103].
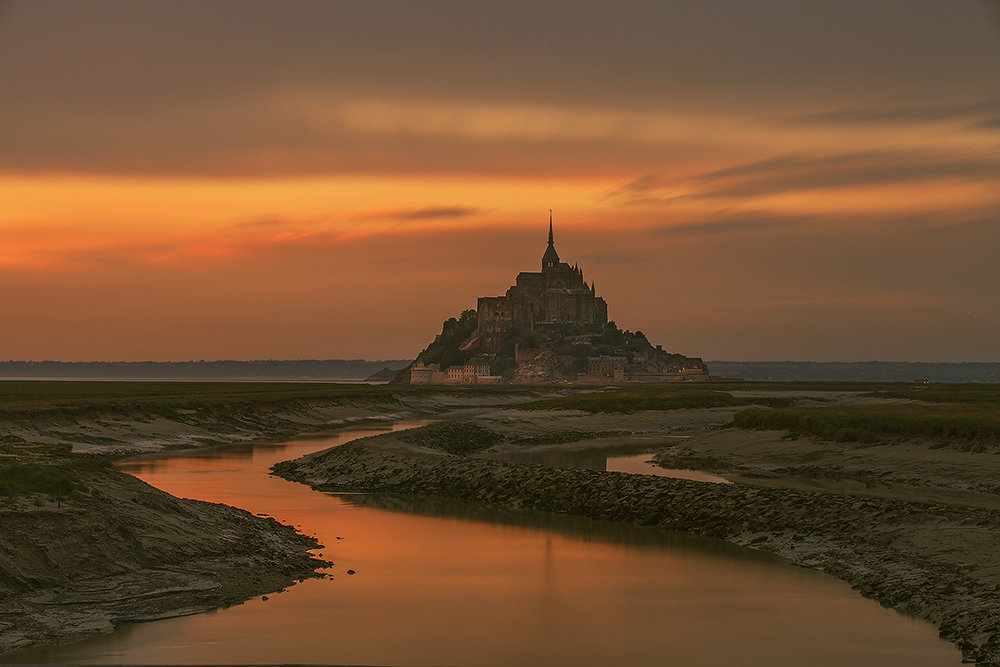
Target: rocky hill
[551,351]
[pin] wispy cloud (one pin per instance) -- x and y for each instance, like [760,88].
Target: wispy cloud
[263,222]
[989,123]
[984,224]
[613,258]
[837,307]
[729,225]
[976,111]
[422,214]
[435,213]
[794,173]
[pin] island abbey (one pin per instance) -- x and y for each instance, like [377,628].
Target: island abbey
[556,294]
[550,326]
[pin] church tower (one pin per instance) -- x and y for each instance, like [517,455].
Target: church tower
[550,260]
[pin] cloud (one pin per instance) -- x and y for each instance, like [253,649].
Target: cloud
[789,173]
[423,214]
[613,258]
[896,115]
[984,224]
[802,171]
[736,224]
[644,183]
[555,88]
[263,222]
[794,173]
[833,308]
[989,123]
[435,213]
[770,165]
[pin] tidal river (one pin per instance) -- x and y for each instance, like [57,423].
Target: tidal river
[451,584]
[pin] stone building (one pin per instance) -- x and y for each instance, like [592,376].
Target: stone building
[609,367]
[474,371]
[557,293]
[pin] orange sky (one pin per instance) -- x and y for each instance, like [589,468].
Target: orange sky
[248,180]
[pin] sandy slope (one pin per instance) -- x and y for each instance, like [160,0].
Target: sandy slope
[921,471]
[124,551]
[130,430]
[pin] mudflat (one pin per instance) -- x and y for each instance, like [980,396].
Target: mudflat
[86,548]
[911,522]
[109,549]
[866,484]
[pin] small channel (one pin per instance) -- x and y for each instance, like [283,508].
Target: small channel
[610,461]
[443,583]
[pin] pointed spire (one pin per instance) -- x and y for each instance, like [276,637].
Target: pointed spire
[550,260]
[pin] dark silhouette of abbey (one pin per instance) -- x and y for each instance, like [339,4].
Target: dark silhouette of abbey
[558,293]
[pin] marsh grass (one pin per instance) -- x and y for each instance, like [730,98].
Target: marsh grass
[23,479]
[31,468]
[453,437]
[166,398]
[945,393]
[871,423]
[639,399]
[164,395]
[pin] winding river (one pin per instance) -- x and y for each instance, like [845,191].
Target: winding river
[439,583]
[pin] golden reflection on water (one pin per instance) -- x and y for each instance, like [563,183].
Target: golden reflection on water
[440,583]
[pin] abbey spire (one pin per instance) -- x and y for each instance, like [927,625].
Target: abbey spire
[550,260]
[557,294]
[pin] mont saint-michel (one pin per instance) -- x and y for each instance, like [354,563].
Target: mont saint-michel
[549,326]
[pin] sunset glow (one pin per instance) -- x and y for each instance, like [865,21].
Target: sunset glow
[326,181]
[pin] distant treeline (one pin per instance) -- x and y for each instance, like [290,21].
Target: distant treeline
[860,371]
[306,369]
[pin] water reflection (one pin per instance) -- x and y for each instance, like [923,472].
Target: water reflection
[452,583]
[576,527]
[264,451]
[614,460]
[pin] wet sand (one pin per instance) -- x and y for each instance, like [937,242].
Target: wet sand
[126,552]
[914,525]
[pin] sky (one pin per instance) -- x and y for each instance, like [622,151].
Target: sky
[293,179]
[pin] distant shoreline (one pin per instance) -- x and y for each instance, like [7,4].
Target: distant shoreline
[359,370]
[303,380]
[298,370]
[857,371]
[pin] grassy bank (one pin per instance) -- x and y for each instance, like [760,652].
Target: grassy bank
[23,479]
[971,423]
[20,392]
[31,468]
[969,413]
[27,393]
[945,393]
[651,398]
[24,393]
